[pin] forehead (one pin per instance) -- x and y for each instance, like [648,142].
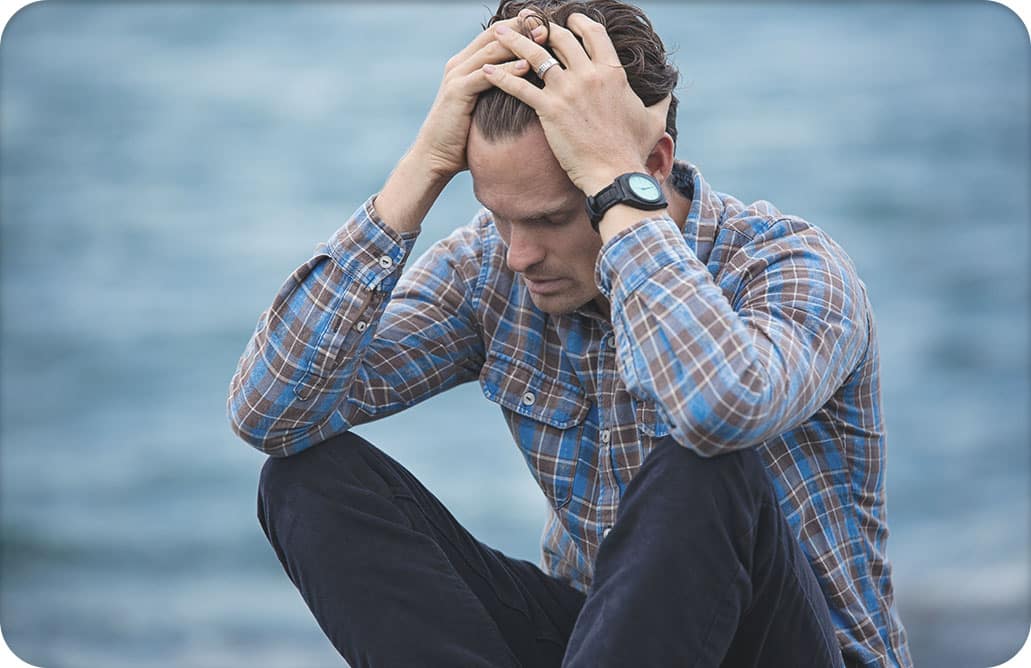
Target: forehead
[519,178]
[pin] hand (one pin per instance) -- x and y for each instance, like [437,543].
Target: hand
[596,125]
[441,142]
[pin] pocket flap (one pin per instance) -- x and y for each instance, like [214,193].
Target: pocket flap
[527,391]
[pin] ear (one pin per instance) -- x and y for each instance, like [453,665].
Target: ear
[660,160]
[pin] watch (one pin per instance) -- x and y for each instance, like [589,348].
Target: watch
[635,189]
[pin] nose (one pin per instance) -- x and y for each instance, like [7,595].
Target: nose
[524,250]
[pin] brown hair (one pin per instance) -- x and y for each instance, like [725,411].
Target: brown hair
[498,115]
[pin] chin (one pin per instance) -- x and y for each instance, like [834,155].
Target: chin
[557,304]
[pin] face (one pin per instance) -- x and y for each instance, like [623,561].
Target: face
[540,215]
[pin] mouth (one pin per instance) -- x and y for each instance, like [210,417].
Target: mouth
[544,286]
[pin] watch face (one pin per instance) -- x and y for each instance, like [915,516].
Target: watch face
[644,187]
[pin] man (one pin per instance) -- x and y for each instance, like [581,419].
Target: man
[693,383]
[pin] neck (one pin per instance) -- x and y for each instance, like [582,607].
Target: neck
[679,206]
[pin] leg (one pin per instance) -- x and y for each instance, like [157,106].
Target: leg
[392,578]
[701,569]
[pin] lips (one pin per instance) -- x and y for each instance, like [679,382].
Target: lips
[543,286]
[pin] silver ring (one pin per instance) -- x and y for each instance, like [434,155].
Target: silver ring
[543,68]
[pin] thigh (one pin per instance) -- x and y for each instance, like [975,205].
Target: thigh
[534,612]
[788,621]
[702,564]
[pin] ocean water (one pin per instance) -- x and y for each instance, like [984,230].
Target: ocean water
[163,168]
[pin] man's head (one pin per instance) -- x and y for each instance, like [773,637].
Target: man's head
[499,115]
[541,216]
[538,211]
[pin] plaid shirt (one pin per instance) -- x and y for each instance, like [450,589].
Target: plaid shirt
[748,328]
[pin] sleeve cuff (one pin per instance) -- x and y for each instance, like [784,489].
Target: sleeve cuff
[369,250]
[631,257]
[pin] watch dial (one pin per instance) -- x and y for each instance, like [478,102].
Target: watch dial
[644,188]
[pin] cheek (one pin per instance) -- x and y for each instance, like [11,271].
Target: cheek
[582,257]
[504,231]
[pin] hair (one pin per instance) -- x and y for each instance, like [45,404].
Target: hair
[499,115]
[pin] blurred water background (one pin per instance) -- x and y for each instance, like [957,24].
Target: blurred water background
[166,165]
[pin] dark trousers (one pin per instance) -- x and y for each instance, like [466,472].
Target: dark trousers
[700,569]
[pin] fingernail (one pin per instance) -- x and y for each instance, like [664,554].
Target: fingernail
[520,64]
[488,69]
[539,31]
[501,29]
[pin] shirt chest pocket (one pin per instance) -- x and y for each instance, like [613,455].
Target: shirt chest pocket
[546,418]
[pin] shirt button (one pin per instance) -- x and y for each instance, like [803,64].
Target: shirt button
[605,435]
[361,325]
[529,398]
[606,532]
[386,262]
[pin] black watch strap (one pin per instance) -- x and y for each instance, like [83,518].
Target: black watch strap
[635,189]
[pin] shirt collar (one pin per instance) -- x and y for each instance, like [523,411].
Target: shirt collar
[706,208]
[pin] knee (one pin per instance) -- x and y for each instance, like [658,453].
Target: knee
[688,480]
[316,468]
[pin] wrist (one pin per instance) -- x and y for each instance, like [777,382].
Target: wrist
[426,170]
[622,217]
[408,193]
[593,182]
[636,191]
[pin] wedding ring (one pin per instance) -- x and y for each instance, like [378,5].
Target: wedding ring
[543,68]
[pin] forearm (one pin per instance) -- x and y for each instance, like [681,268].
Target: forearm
[409,193]
[622,217]
[290,385]
[736,361]
[438,152]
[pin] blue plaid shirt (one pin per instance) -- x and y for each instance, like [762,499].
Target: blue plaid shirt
[748,328]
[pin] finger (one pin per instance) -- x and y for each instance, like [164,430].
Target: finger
[534,26]
[522,46]
[483,39]
[492,52]
[567,47]
[516,86]
[477,81]
[658,113]
[661,108]
[596,39]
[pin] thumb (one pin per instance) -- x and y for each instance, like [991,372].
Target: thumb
[659,110]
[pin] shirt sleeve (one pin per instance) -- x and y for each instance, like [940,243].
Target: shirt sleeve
[736,358]
[348,340]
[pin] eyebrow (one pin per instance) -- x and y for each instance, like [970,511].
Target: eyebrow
[548,214]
